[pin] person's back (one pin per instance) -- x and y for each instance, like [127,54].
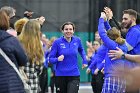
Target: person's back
[112,39]
[114,67]
[30,39]
[9,80]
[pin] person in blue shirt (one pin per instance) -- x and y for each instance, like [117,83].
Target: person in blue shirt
[130,28]
[97,63]
[64,53]
[129,21]
[116,54]
[113,83]
[133,33]
[96,67]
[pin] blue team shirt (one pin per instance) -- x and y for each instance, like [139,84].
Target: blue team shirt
[112,67]
[98,58]
[133,42]
[70,50]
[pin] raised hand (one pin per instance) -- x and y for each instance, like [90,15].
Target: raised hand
[103,15]
[108,12]
[41,20]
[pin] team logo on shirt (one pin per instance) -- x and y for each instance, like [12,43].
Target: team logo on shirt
[75,43]
[62,45]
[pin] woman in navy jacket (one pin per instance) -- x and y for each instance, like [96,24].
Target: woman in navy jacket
[9,80]
[64,53]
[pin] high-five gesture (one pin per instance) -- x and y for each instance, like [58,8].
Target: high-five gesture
[103,15]
[108,12]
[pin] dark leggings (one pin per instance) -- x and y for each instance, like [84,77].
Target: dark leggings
[43,80]
[97,82]
[67,84]
[52,84]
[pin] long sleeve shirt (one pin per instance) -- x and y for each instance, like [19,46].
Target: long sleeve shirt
[133,42]
[70,50]
[98,58]
[112,67]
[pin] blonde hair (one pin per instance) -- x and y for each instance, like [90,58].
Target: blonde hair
[115,35]
[52,40]
[30,38]
[19,24]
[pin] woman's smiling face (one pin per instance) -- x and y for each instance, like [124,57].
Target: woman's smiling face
[68,31]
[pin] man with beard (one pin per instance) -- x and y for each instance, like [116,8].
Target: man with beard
[114,23]
[132,38]
[130,29]
[133,33]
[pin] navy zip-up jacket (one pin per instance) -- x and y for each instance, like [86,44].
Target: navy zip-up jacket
[10,82]
[69,66]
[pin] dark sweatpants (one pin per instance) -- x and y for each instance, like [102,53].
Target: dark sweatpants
[67,84]
[43,80]
[97,82]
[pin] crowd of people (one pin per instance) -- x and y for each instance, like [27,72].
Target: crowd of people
[112,59]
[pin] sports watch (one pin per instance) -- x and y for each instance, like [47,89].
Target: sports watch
[123,56]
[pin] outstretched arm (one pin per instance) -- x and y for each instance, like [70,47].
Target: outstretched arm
[116,54]
[103,34]
[112,21]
